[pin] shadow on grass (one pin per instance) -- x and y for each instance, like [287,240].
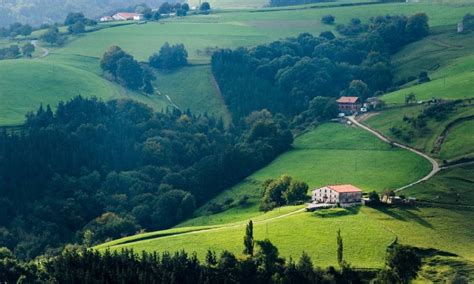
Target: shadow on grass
[336,212]
[404,214]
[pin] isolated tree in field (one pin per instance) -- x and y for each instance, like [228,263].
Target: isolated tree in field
[169,57]
[340,248]
[248,239]
[110,59]
[52,36]
[404,262]
[77,28]
[205,6]
[28,49]
[417,26]
[328,19]
[130,73]
[410,98]
[297,191]
[423,77]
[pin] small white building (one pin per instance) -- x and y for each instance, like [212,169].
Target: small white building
[106,19]
[128,17]
[342,194]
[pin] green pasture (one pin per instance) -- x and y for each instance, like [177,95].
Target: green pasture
[330,154]
[231,29]
[193,88]
[458,143]
[443,53]
[293,235]
[451,186]
[451,87]
[26,84]
[366,233]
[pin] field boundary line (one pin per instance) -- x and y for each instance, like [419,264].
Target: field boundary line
[224,226]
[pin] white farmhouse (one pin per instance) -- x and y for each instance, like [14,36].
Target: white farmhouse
[342,194]
[128,17]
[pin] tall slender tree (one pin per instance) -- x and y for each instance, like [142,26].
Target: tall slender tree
[340,248]
[248,239]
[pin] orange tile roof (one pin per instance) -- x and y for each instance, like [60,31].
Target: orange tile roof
[348,100]
[128,15]
[344,188]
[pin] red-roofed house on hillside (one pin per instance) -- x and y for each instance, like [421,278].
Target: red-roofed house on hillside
[349,105]
[342,194]
[128,17]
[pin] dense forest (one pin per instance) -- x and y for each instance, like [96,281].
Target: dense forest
[286,75]
[95,170]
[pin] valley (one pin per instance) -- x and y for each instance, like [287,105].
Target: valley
[185,166]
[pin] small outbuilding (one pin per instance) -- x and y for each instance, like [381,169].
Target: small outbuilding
[106,19]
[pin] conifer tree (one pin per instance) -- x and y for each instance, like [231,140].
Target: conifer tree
[248,239]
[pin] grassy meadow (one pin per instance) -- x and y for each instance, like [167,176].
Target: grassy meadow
[26,84]
[193,88]
[366,231]
[458,141]
[451,186]
[222,28]
[330,154]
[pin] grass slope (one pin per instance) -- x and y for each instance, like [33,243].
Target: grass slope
[451,186]
[459,143]
[192,88]
[330,154]
[25,84]
[366,231]
[446,56]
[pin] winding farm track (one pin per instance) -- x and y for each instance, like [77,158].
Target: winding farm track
[217,228]
[435,166]
[45,51]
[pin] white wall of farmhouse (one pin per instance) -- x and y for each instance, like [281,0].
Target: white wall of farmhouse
[328,195]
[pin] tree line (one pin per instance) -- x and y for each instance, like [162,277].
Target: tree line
[261,263]
[286,75]
[92,170]
[13,51]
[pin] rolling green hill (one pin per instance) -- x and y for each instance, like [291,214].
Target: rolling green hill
[426,140]
[332,153]
[26,84]
[201,33]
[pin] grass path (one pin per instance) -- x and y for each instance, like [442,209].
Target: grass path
[435,166]
[45,51]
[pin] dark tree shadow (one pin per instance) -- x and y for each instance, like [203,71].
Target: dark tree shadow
[404,214]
